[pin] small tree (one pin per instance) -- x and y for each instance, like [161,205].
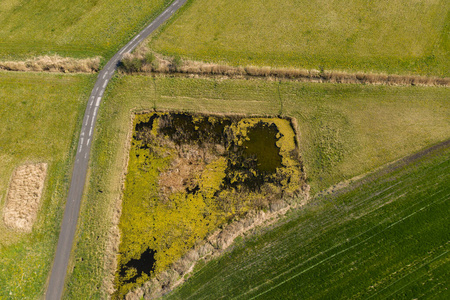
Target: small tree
[152,60]
[176,62]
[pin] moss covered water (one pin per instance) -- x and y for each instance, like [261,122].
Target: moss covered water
[187,174]
[262,145]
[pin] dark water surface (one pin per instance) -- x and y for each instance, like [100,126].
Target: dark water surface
[145,264]
[262,145]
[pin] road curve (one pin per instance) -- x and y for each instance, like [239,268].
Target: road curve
[69,224]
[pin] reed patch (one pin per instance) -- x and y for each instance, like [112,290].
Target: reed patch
[24,195]
[144,61]
[54,63]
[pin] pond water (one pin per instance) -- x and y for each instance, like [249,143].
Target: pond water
[238,154]
[145,264]
[185,128]
[262,145]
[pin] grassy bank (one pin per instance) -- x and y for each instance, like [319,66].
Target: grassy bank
[345,130]
[395,37]
[386,238]
[68,28]
[40,115]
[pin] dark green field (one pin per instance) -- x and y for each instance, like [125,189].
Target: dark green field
[384,237]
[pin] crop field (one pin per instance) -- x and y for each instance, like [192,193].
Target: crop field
[398,36]
[40,115]
[383,238]
[345,130]
[71,28]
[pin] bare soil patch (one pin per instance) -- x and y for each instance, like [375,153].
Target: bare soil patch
[24,194]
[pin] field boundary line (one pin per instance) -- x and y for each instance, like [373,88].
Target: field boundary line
[163,65]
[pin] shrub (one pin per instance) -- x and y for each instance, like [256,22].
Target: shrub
[131,64]
[176,62]
[152,60]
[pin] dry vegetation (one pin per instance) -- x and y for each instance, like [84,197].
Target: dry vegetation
[24,195]
[144,61]
[53,63]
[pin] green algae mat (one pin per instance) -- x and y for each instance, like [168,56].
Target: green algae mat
[188,174]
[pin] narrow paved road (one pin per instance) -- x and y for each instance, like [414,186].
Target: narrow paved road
[69,223]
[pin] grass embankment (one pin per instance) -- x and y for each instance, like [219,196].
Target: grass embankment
[40,115]
[386,238]
[69,28]
[397,37]
[345,130]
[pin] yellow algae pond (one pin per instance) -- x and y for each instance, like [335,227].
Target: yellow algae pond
[190,173]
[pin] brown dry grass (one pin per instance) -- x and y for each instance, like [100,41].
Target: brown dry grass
[163,64]
[53,63]
[183,172]
[24,194]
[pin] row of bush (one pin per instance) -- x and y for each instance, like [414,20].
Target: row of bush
[145,61]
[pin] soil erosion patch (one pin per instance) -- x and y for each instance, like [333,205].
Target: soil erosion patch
[188,174]
[24,196]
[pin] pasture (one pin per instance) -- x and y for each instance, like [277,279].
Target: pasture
[40,116]
[71,28]
[396,37]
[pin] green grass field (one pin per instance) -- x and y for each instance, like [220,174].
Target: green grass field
[40,115]
[387,238]
[71,28]
[345,130]
[399,36]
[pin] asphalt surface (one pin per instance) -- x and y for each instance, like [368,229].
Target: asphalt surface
[72,209]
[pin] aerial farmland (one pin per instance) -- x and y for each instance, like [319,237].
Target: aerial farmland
[195,149]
